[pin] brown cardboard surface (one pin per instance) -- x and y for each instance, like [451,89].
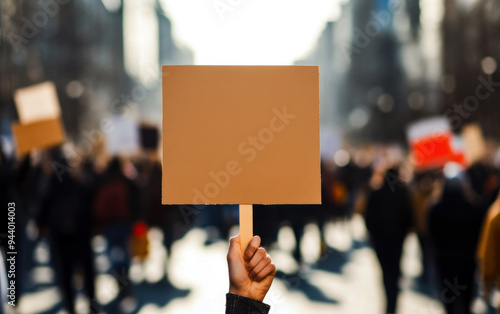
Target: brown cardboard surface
[37,102]
[241,135]
[39,134]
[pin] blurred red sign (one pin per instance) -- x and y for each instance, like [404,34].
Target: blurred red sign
[432,144]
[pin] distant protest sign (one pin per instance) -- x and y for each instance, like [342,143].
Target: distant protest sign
[39,134]
[430,142]
[475,145]
[40,118]
[124,139]
[37,102]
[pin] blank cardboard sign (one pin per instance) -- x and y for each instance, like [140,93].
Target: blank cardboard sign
[241,135]
[39,134]
[37,102]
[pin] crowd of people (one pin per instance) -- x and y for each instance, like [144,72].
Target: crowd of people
[121,198]
[71,203]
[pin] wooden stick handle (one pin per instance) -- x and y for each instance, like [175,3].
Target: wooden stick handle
[246,226]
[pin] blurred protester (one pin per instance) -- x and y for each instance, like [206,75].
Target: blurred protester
[6,178]
[230,218]
[489,250]
[66,217]
[342,186]
[333,197]
[21,183]
[298,216]
[168,218]
[250,277]
[268,219]
[454,224]
[422,190]
[157,215]
[6,189]
[484,181]
[388,217]
[115,207]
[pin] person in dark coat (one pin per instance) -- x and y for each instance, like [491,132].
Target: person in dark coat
[454,226]
[115,208]
[21,183]
[65,216]
[388,218]
[166,217]
[422,193]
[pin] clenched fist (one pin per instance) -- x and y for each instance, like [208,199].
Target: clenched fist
[250,275]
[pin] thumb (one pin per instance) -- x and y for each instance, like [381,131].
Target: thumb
[234,248]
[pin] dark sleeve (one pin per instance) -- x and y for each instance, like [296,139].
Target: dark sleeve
[410,210]
[432,224]
[370,210]
[236,304]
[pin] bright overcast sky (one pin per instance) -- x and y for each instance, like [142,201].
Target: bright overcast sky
[253,32]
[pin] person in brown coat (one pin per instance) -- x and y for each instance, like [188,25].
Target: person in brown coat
[489,250]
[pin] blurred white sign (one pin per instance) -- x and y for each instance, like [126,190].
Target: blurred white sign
[427,127]
[123,137]
[331,142]
[37,102]
[475,146]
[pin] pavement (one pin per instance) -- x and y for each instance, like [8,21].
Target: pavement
[344,278]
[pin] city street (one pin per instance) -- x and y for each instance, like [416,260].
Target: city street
[346,279]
